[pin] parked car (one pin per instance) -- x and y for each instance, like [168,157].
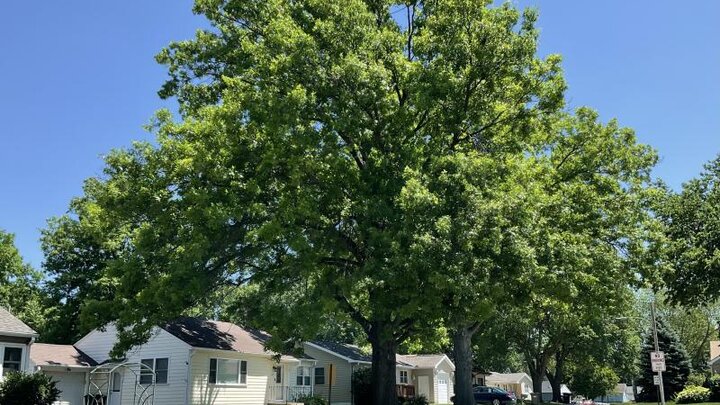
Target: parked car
[492,396]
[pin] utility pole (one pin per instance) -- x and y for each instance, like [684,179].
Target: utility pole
[657,349]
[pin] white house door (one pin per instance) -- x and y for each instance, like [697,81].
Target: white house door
[442,394]
[277,391]
[424,386]
[116,389]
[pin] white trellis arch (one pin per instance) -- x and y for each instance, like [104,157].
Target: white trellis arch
[99,386]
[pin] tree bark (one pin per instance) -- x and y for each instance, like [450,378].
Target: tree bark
[557,377]
[462,356]
[384,350]
[537,373]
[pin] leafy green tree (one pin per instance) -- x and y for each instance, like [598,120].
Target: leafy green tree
[74,264]
[676,362]
[692,219]
[316,142]
[20,289]
[592,379]
[28,389]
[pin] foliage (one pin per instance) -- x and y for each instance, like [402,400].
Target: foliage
[74,264]
[676,362]
[692,220]
[592,379]
[28,389]
[713,383]
[362,385]
[337,163]
[698,379]
[419,400]
[692,394]
[311,400]
[20,291]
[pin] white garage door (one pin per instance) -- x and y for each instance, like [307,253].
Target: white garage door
[72,386]
[442,394]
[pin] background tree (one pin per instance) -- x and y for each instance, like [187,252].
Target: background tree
[20,291]
[591,379]
[74,265]
[676,361]
[692,220]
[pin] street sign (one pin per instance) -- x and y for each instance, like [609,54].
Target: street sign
[657,360]
[657,356]
[656,379]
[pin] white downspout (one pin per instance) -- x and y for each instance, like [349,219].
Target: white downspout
[188,382]
[26,360]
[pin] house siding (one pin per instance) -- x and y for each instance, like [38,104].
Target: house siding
[342,389]
[259,372]
[97,344]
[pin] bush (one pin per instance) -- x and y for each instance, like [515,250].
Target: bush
[362,390]
[692,394]
[311,400]
[714,384]
[697,379]
[28,389]
[420,400]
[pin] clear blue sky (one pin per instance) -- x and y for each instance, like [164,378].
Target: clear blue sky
[79,78]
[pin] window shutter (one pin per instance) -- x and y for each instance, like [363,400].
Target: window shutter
[213,371]
[243,372]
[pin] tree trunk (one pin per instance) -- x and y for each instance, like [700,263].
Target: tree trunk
[537,373]
[462,355]
[557,377]
[384,349]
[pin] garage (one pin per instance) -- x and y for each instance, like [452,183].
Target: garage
[71,384]
[66,365]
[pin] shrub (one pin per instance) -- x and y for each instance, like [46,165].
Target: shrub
[697,379]
[419,400]
[311,400]
[714,384]
[362,390]
[28,389]
[692,394]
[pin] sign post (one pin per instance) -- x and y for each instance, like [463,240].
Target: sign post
[657,358]
[330,383]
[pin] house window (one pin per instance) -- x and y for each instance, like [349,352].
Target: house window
[12,360]
[303,375]
[319,375]
[160,366]
[403,377]
[226,371]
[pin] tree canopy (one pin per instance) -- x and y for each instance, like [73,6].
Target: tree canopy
[330,161]
[20,291]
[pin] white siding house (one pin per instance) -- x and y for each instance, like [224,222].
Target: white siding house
[15,341]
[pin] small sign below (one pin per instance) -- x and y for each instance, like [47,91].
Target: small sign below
[656,379]
[658,366]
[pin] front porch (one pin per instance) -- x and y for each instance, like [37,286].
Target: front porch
[282,394]
[405,391]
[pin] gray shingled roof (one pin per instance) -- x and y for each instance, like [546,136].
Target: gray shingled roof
[43,354]
[10,325]
[353,352]
[349,351]
[219,335]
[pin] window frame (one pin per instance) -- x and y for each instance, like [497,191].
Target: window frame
[154,375]
[22,362]
[316,376]
[242,372]
[406,376]
[303,379]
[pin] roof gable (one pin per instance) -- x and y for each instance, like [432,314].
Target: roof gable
[431,361]
[12,326]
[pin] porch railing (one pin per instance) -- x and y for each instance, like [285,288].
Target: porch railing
[405,390]
[282,393]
